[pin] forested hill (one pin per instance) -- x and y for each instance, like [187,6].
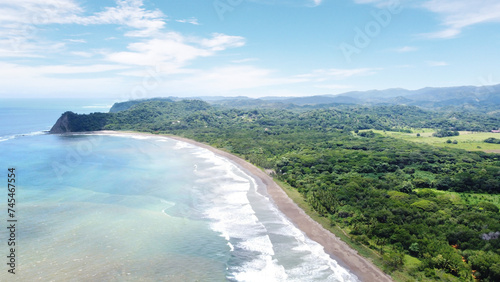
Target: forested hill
[123,106]
[484,99]
[427,213]
[160,115]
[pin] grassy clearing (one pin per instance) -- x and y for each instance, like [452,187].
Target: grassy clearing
[467,140]
[467,198]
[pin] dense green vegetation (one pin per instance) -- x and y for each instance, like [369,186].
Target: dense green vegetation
[445,133]
[398,198]
[122,106]
[492,140]
[79,123]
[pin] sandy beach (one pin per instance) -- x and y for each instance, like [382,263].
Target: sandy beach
[364,269]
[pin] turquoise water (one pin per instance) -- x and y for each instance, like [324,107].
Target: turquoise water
[136,208]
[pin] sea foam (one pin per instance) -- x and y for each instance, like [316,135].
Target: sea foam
[9,137]
[264,244]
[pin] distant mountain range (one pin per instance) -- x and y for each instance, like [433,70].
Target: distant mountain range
[426,97]
[463,97]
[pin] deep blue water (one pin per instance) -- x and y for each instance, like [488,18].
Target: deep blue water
[130,208]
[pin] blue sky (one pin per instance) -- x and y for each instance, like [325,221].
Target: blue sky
[129,49]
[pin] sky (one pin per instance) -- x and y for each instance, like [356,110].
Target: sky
[133,49]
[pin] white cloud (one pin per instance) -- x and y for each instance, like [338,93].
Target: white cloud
[381,3]
[19,54]
[18,47]
[71,69]
[244,60]
[34,12]
[226,79]
[436,63]
[337,74]
[77,40]
[193,21]
[333,86]
[59,80]
[455,15]
[173,50]
[459,14]
[406,49]
[169,52]
[366,1]
[404,66]
[82,54]
[220,42]
[306,3]
[21,21]
[317,2]
[45,71]
[344,73]
[171,47]
[257,81]
[129,13]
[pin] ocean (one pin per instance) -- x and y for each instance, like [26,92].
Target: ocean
[138,208]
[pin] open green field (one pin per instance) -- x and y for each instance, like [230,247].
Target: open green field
[467,140]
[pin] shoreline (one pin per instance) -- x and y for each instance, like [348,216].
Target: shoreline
[338,250]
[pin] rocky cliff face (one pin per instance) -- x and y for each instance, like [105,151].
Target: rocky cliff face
[71,122]
[61,125]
